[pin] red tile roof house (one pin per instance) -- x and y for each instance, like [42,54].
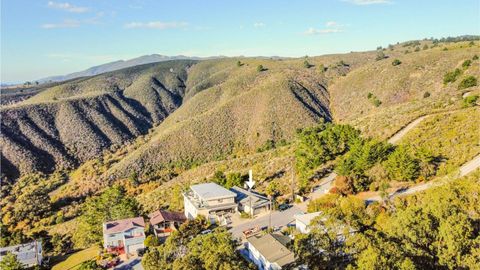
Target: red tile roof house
[124,236]
[165,222]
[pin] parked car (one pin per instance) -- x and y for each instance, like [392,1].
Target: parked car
[283,207]
[206,232]
[141,252]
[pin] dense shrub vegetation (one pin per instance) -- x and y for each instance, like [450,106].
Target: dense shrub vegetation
[188,249]
[317,145]
[468,82]
[432,230]
[451,76]
[112,204]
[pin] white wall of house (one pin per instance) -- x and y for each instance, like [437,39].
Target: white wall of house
[259,260]
[190,211]
[301,227]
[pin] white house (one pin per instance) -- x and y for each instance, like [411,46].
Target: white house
[302,221]
[269,251]
[124,236]
[210,200]
[29,254]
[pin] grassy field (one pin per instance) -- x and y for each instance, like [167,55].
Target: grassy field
[73,261]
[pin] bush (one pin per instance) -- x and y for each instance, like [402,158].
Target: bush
[470,101]
[306,64]
[369,95]
[468,82]
[239,64]
[451,76]
[151,241]
[344,185]
[260,68]
[417,49]
[376,102]
[475,57]
[380,56]
[466,63]
[396,62]
[401,165]
[426,94]
[425,47]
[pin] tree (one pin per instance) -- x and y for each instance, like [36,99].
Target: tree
[260,68]
[62,244]
[234,179]
[151,241]
[239,64]
[425,47]
[89,265]
[112,204]
[396,62]
[468,82]
[401,165]
[10,262]
[320,144]
[219,178]
[188,249]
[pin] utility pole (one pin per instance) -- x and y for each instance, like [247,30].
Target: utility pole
[293,181]
[270,215]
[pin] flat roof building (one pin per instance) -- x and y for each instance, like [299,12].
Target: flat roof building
[29,254]
[269,251]
[302,221]
[210,200]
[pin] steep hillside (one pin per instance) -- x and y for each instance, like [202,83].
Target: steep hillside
[406,91]
[230,109]
[73,122]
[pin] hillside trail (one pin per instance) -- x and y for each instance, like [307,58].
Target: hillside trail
[468,167]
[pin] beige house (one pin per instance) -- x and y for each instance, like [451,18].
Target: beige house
[210,200]
[269,251]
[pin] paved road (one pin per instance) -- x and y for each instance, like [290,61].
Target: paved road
[470,166]
[130,264]
[278,218]
[397,136]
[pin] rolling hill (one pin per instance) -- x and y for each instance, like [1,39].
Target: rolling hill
[201,111]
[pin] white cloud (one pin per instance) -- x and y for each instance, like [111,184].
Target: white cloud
[330,28]
[331,24]
[156,25]
[313,31]
[258,25]
[64,24]
[368,2]
[67,7]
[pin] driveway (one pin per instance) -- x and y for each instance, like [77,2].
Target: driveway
[130,264]
[278,218]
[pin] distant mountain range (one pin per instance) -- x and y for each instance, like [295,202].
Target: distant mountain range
[120,64]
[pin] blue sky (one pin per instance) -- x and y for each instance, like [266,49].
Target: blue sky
[42,38]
